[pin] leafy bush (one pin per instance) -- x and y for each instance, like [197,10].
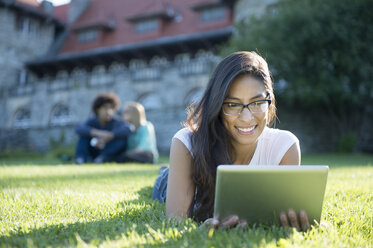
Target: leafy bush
[320,57]
[64,153]
[347,143]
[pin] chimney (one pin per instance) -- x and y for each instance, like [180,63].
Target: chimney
[47,7]
[76,9]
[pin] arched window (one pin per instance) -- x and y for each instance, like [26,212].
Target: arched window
[98,70]
[194,96]
[116,67]
[46,79]
[151,101]
[99,76]
[140,71]
[158,61]
[78,77]
[202,54]
[62,75]
[22,118]
[60,82]
[197,65]
[60,115]
[136,64]
[182,58]
[78,73]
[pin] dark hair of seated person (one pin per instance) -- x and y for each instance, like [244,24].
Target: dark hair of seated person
[105,98]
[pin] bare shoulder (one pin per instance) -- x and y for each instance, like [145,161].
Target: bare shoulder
[292,156]
[179,151]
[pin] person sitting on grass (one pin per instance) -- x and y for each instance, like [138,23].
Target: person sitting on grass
[230,125]
[103,136]
[141,144]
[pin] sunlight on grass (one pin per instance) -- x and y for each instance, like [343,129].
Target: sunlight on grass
[110,206]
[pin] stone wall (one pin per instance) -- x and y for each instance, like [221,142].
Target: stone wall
[47,109]
[22,38]
[36,138]
[164,87]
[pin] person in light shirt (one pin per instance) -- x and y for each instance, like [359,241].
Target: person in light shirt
[230,125]
[142,143]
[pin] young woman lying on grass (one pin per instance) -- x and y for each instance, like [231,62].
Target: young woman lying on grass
[228,126]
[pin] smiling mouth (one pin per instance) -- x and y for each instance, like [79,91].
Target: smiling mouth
[247,130]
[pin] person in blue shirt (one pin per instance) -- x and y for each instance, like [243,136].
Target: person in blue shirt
[141,144]
[102,137]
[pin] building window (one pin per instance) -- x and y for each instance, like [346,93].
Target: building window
[78,73]
[136,64]
[87,35]
[116,67]
[213,14]
[78,77]
[151,101]
[182,58]
[146,26]
[158,61]
[194,97]
[26,25]
[22,118]
[151,73]
[99,76]
[60,115]
[60,82]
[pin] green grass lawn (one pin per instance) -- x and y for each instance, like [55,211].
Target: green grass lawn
[110,206]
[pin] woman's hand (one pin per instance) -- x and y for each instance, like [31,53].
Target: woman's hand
[290,219]
[228,222]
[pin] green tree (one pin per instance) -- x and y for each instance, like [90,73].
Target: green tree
[321,52]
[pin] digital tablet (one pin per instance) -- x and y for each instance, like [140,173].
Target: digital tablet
[259,193]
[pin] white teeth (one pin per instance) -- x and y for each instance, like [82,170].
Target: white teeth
[246,129]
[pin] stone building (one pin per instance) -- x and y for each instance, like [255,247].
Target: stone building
[27,31]
[56,60]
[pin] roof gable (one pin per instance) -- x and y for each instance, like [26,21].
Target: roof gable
[60,12]
[116,20]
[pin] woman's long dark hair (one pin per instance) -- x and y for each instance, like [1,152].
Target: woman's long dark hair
[211,141]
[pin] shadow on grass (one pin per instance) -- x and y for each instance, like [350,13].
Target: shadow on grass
[138,220]
[140,212]
[26,162]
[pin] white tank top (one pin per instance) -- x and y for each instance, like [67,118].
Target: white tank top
[271,148]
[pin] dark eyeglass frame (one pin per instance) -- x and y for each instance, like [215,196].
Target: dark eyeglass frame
[243,106]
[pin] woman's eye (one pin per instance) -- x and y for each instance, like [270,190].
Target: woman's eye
[259,103]
[233,105]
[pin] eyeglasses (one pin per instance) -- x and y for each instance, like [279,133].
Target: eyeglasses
[233,108]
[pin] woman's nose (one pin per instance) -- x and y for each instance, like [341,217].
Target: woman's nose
[246,114]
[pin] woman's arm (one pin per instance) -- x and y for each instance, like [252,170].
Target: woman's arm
[180,187]
[292,156]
